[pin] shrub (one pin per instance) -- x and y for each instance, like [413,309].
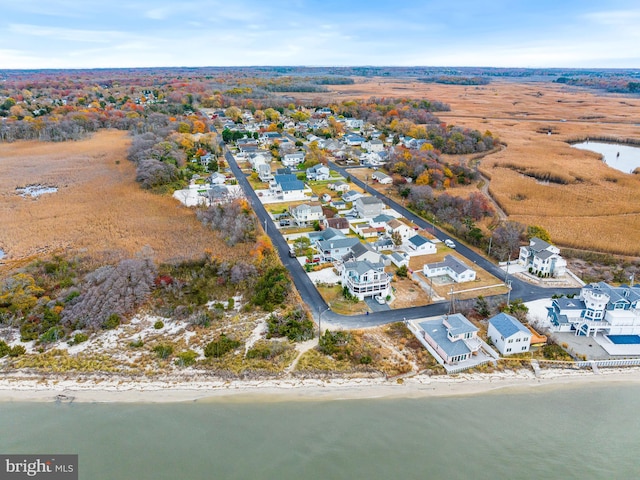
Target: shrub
[4,348]
[158,325]
[402,271]
[295,325]
[186,358]
[221,346]
[52,335]
[112,321]
[17,350]
[136,343]
[231,304]
[79,338]
[272,288]
[163,350]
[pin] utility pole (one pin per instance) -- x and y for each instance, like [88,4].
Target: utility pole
[489,251]
[452,307]
[509,293]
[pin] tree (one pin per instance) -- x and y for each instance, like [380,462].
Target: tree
[506,240]
[396,237]
[538,231]
[301,245]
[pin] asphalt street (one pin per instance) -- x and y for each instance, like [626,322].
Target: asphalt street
[316,303]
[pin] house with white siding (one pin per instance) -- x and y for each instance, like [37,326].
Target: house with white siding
[542,258]
[451,266]
[421,245]
[306,214]
[452,337]
[364,279]
[508,334]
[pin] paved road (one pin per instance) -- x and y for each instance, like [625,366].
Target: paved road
[314,300]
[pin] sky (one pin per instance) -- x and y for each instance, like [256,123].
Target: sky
[160,33]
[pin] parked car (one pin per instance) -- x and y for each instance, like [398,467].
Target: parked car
[380,299]
[449,243]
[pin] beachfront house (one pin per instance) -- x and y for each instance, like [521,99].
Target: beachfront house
[542,259]
[508,334]
[600,308]
[453,338]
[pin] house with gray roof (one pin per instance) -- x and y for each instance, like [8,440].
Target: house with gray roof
[351,196]
[318,172]
[508,334]
[451,266]
[421,245]
[600,308]
[400,259]
[306,214]
[368,207]
[453,338]
[293,159]
[542,258]
[335,248]
[287,187]
[381,177]
[361,252]
[365,279]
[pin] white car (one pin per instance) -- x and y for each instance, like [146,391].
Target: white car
[449,243]
[380,299]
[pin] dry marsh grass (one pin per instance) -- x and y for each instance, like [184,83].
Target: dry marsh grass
[590,205]
[99,208]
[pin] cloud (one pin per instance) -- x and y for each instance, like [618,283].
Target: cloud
[68,34]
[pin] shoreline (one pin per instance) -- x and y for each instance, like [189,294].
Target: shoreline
[99,389]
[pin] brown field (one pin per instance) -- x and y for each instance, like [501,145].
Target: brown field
[598,208]
[99,209]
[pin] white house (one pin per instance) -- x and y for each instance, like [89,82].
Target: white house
[339,186]
[381,177]
[508,334]
[351,196]
[338,223]
[456,269]
[453,337]
[305,214]
[380,221]
[293,159]
[373,146]
[600,308]
[395,226]
[368,207]
[364,279]
[217,178]
[318,172]
[353,123]
[287,188]
[353,140]
[264,172]
[256,159]
[400,259]
[362,252]
[421,245]
[542,258]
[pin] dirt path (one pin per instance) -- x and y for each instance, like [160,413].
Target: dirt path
[301,348]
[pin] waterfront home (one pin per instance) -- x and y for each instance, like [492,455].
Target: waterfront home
[600,308]
[368,207]
[508,334]
[452,267]
[542,258]
[365,279]
[422,245]
[452,337]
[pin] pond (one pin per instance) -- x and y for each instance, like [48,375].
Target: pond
[625,158]
[1,254]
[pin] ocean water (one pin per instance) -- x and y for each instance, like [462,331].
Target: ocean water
[565,433]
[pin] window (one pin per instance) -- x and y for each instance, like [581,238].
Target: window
[524,348]
[508,350]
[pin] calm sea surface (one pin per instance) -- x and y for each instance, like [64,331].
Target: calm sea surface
[621,157]
[567,433]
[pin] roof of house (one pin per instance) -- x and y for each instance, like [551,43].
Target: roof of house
[458,266]
[306,206]
[418,240]
[362,267]
[570,303]
[382,218]
[438,332]
[458,324]
[327,234]
[337,243]
[538,245]
[506,325]
[338,222]
[292,186]
[395,223]
[369,200]
[544,254]
[399,257]
[351,194]
[288,177]
[357,250]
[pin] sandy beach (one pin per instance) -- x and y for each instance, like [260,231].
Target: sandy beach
[96,389]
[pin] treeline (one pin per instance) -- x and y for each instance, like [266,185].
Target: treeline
[609,84]
[456,80]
